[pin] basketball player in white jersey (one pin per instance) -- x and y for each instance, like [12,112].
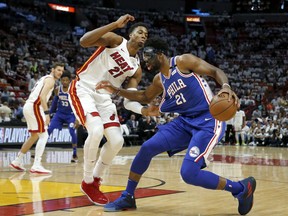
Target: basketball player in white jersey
[36,113]
[114,60]
[239,124]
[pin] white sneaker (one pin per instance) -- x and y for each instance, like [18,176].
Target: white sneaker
[39,169]
[15,164]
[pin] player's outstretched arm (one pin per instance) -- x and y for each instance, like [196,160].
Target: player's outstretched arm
[143,96]
[103,36]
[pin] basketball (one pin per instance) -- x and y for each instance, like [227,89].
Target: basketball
[222,109]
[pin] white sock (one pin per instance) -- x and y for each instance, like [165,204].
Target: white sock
[40,147]
[37,161]
[20,156]
[88,172]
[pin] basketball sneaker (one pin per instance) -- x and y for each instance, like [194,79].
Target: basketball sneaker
[124,202]
[245,198]
[93,192]
[15,164]
[74,159]
[39,169]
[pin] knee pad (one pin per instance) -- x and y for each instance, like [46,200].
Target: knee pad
[96,133]
[114,138]
[117,143]
[113,145]
[95,128]
[189,171]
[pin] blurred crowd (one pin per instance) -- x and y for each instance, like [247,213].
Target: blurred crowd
[258,131]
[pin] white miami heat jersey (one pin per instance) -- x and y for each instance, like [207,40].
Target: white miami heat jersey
[112,64]
[36,91]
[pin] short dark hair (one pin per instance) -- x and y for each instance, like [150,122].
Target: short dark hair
[158,44]
[135,25]
[66,74]
[56,64]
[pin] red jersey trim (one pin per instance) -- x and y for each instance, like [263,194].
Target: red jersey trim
[92,57]
[76,103]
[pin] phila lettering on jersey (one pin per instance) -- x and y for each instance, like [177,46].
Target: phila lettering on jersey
[36,91]
[186,94]
[175,86]
[113,64]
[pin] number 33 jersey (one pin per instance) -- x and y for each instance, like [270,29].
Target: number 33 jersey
[112,64]
[187,94]
[63,104]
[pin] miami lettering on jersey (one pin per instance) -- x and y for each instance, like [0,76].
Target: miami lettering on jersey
[120,61]
[175,86]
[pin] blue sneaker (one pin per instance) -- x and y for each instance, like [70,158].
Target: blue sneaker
[245,198]
[124,202]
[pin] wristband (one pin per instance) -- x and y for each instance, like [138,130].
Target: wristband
[134,106]
[226,84]
[46,112]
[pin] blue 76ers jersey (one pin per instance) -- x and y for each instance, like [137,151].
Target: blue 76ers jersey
[63,105]
[186,94]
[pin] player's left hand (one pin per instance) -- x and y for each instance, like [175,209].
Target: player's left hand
[151,110]
[123,20]
[107,86]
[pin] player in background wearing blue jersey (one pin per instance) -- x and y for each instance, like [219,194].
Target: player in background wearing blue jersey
[185,91]
[63,113]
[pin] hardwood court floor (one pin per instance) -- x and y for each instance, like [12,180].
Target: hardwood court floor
[161,191]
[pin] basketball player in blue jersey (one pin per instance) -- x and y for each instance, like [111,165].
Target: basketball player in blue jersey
[185,91]
[63,113]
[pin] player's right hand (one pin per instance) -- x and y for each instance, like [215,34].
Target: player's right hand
[104,84]
[123,20]
[231,94]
